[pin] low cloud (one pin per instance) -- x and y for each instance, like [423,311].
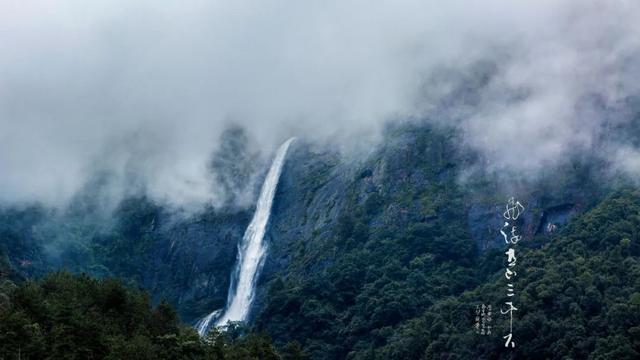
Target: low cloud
[144,90]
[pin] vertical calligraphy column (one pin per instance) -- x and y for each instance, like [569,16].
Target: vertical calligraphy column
[511,237]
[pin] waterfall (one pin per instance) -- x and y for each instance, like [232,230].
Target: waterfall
[251,252]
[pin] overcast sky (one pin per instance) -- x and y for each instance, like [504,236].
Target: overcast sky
[146,87]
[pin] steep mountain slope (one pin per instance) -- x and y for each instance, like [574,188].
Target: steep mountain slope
[383,256]
[360,248]
[186,262]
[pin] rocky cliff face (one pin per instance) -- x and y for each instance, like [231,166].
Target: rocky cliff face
[191,262]
[411,180]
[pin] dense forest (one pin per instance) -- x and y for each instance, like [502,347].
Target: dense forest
[65,316]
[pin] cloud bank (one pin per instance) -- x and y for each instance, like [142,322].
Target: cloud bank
[143,90]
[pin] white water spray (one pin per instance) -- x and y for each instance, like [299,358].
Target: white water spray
[251,252]
[203,324]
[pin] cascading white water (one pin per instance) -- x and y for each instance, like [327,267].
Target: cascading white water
[203,324]
[251,252]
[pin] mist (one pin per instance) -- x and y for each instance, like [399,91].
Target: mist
[143,90]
